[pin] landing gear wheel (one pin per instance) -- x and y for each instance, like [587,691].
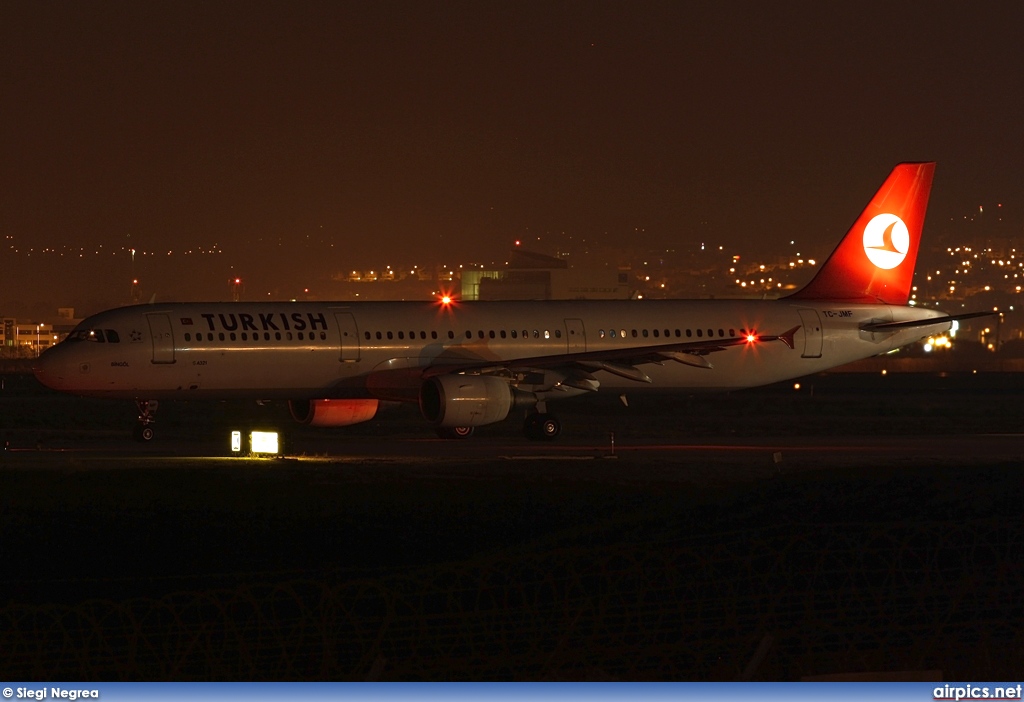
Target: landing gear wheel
[549,427]
[541,426]
[144,431]
[455,432]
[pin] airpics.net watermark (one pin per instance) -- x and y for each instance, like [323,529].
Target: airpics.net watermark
[977,692]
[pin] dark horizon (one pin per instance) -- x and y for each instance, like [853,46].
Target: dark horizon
[444,132]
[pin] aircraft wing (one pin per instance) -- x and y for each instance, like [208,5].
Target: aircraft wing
[620,361]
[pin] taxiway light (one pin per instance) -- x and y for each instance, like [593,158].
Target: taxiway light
[264,442]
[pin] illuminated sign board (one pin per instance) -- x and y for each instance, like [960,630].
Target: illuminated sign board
[264,442]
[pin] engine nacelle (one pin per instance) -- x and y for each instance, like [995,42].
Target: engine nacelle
[465,400]
[332,413]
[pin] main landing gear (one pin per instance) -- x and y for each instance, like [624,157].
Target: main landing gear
[541,426]
[455,432]
[144,429]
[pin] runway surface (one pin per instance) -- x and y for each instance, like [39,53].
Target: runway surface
[870,526]
[771,455]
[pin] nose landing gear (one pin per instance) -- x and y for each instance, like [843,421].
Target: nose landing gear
[144,431]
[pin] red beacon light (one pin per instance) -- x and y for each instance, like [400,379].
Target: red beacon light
[751,337]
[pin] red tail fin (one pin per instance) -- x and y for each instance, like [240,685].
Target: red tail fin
[875,260]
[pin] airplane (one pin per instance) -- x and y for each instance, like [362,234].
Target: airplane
[470,364]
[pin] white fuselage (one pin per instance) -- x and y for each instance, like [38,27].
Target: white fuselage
[308,350]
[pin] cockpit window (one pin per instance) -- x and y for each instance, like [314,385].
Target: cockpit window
[96,335]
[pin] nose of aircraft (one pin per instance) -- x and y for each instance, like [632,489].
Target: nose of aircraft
[46,370]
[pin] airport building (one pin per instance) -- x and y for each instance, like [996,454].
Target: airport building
[535,276]
[29,339]
[25,338]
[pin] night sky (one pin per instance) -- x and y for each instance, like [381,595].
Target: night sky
[293,134]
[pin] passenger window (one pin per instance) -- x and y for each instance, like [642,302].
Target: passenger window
[232,336]
[188,337]
[622,333]
[323,336]
[451,334]
[558,333]
[300,336]
[611,333]
[634,333]
[378,335]
[390,335]
[655,333]
[277,335]
[221,335]
[401,335]
[513,333]
[721,332]
[732,332]
[536,334]
[711,332]
[289,336]
[480,333]
[112,337]
[491,333]
[502,333]
[700,333]
[366,335]
[645,333]
[689,333]
[266,336]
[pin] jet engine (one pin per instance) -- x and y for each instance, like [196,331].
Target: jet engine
[332,413]
[465,400]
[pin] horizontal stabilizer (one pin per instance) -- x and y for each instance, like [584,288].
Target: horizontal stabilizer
[930,322]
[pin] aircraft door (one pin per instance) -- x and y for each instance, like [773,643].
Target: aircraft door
[812,334]
[349,337]
[575,335]
[163,338]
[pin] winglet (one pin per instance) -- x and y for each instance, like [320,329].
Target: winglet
[875,260]
[787,337]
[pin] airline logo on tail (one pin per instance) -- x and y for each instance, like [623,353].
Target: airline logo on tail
[874,263]
[886,241]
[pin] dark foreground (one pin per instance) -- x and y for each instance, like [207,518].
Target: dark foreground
[414,559]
